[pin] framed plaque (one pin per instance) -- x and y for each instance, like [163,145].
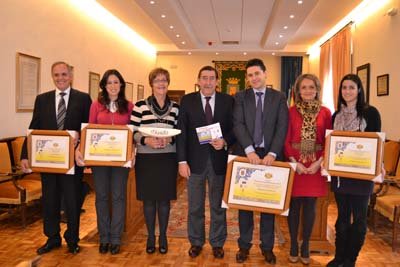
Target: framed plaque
[51,151]
[355,155]
[258,187]
[363,72]
[94,85]
[129,91]
[27,82]
[140,92]
[106,145]
[382,85]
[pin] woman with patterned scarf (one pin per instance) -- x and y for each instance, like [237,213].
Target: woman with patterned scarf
[352,195]
[304,145]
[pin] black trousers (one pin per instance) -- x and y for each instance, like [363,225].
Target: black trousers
[296,205]
[350,234]
[53,187]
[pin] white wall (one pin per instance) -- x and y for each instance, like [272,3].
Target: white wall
[376,40]
[53,31]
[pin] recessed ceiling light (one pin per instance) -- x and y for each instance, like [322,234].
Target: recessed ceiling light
[171,27]
[299,2]
[177,36]
[217,53]
[152,2]
[163,16]
[244,53]
[189,53]
[273,53]
[183,42]
[276,43]
[291,16]
[280,35]
[285,27]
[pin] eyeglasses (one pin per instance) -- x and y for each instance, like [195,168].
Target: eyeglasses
[159,81]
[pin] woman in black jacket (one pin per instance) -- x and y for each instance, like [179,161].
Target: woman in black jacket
[352,195]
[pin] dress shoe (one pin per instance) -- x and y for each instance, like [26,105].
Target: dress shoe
[47,247]
[194,251]
[114,249]
[349,263]
[305,260]
[335,263]
[103,248]
[150,245]
[163,244]
[150,250]
[293,259]
[269,256]
[241,255]
[218,252]
[73,248]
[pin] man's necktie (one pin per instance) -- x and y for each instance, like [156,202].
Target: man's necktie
[62,111]
[258,131]
[208,111]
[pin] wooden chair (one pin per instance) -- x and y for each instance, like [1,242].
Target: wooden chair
[15,190]
[386,201]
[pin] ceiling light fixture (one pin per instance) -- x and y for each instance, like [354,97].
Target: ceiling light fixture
[280,36]
[177,36]
[244,53]
[299,2]
[285,27]
[276,43]
[163,16]
[273,53]
[152,2]
[189,53]
[217,53]
[183,42]
[171,27]
[291,16]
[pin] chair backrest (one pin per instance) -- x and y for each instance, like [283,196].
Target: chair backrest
[5,160]
[17,148]
[391,156]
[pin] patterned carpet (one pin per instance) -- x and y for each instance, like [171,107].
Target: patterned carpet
[178,220]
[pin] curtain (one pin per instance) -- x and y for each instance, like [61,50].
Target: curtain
[341,58]
[324,67]
[291,68]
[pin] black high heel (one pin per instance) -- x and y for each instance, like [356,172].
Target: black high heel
[150,246]
[163,244]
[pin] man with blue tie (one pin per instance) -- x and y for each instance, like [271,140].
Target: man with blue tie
[61,109]
[201,163]
[260,119]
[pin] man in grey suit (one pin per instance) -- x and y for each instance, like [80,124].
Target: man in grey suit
[260,119]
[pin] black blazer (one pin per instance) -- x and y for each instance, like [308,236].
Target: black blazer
[275,121]
[191,116]
[45,118]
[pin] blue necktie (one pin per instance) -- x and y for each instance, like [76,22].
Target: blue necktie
[258,131]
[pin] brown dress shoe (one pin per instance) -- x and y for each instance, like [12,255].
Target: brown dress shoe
[48,247]
[73,248]
[218,252]
[241,255]
[269,256]
[194,251]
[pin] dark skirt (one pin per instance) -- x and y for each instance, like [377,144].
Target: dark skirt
[156,176]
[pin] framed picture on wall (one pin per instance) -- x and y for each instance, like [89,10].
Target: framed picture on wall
[94,80]
[382,85]
[129,91]
[363,72]
[27,82]
[140,92]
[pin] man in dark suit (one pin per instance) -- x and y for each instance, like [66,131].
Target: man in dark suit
[260,119]
[61,109]
[201,162]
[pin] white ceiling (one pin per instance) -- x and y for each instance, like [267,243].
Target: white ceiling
[254,25]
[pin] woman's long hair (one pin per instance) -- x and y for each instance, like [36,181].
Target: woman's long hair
[104,98]
[361,104]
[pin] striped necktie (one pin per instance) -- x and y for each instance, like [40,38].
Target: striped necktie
[62,111]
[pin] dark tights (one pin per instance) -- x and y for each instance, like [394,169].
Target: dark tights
[151,208]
